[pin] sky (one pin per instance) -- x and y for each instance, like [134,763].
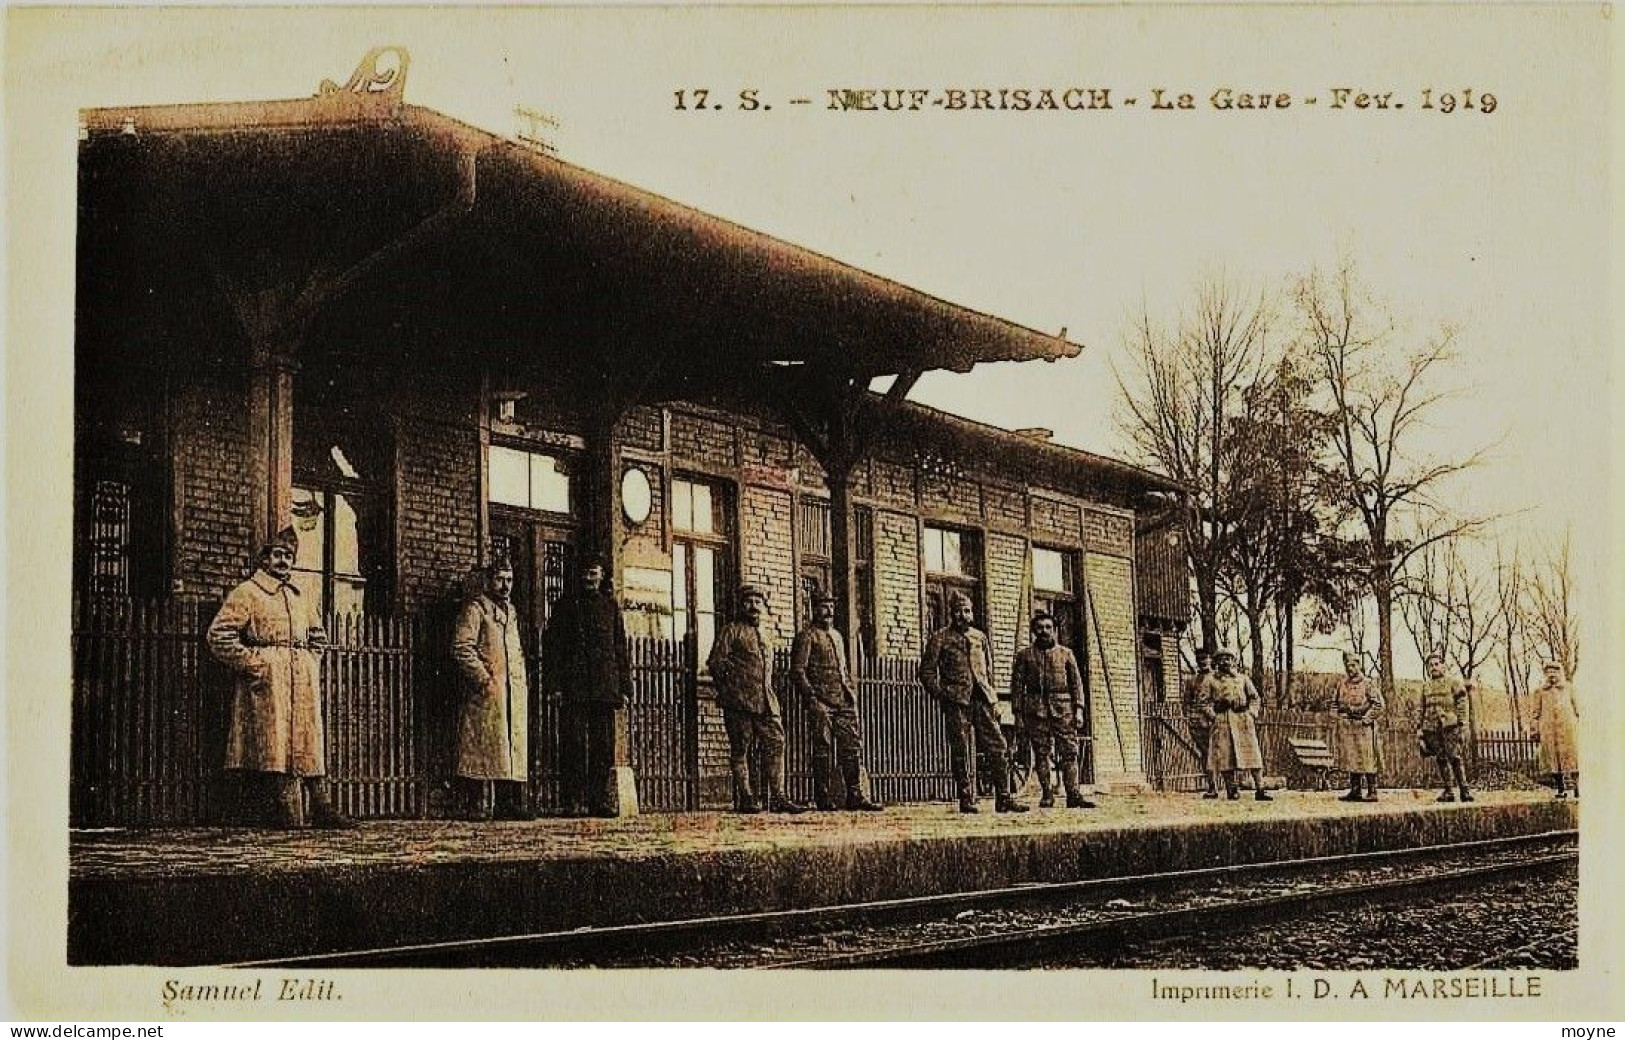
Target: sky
[1497,223]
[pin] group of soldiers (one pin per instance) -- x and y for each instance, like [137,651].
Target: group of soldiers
[269,636]
[1222,708]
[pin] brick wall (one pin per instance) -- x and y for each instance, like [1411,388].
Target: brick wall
[1006,507]
[217,547]
[1055,520]
[764,521]
[703,439]
[1108,532]
[642,427]
[897,584]
[1006,565]
[1116,732]
[438,509]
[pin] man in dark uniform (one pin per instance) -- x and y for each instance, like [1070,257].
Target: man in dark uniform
[957,668]
[1444,713]
[741,664]
[818,670]
[1199,721]
[584,661]
[1047,691]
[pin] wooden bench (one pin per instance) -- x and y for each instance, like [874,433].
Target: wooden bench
[1314,757]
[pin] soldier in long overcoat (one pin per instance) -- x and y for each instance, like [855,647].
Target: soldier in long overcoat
[1443,716]
[493,711]
[1235,706]
[1046,689]
[741,665]
[1356,736]
[956,668]
[819,674]
[1199,718]
[585,664]
[1557,728]
[269,636]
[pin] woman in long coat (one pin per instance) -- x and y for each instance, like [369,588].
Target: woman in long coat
[1557,727]
[1235,706]
[493,716]
[1357,739]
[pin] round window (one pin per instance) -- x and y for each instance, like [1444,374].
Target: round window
[635,495]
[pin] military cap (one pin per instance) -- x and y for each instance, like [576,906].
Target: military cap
[823,596]
[499,564]
[747,591]
[955,599]
[287,538]
[1224,651]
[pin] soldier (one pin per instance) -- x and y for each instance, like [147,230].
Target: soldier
[741,665]
[493,715]
[269,636]
[1047,691]
[956,668]
[1444,711]
[1199,719]
[818,670]
[584,661]
[1234,706]
[1356,737]
[1557,729]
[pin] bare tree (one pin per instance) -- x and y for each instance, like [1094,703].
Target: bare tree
[1449,606]
[1381,400]
[1548,592]
[1177,403]
[1513,642]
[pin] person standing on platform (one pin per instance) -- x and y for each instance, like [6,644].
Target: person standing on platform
[1235,706]
[269,636]
[1047,691]
[1444,714]
[1199,719]
[741,666]
[586,667]
[1557,728]
[818,670]
[493,715]
[957,668]
[1356,735]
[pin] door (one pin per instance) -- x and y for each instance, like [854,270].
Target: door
[541,555]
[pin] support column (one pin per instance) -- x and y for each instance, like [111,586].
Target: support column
[270,433]
[601,486]
[843,576]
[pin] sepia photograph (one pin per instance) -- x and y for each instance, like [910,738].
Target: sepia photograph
[1112,503]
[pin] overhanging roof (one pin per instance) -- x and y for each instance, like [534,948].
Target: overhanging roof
[712,294]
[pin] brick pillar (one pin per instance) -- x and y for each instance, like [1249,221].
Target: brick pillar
[270,438]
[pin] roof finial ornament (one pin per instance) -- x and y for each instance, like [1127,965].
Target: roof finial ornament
[369,78]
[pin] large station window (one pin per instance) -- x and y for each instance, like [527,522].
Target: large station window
[700,566]
[953,563]
[528,480]
[1055,589]
[333,530]
[813,543]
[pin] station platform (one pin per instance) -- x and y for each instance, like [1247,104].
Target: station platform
[223,895]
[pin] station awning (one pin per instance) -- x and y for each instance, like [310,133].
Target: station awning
[545,262]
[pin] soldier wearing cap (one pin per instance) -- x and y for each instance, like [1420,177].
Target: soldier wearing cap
[1557,729]
[1444,713]
[269,636]
[1047,691]
[1357,740]
[819,673]
[586,667]
[1234,706]
[741,664]
[957,669]
[1199,719]
[491,758]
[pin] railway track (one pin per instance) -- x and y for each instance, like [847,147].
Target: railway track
[1004,927]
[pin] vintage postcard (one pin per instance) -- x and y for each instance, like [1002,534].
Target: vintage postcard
[805,512]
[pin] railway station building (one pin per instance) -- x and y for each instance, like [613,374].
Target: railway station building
[425,345]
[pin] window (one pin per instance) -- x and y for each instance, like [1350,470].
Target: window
[328,566]
[699,562]
[953,563]
[1055,590]
[813,540]
[528,479]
